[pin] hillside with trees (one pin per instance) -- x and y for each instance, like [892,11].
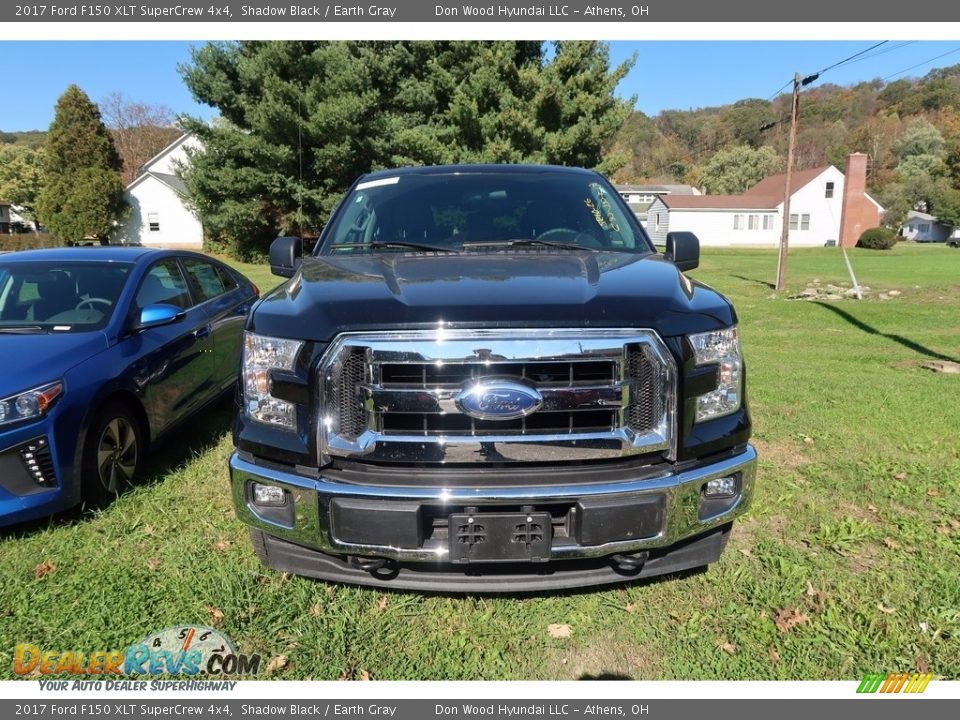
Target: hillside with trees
[909,128]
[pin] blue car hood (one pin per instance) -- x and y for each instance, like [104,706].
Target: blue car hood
[27,361]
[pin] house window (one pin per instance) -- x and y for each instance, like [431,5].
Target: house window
[153,222]
[738,222]
[829,192]
[794,221]
[805,221]
[658,221]
[768,222]
[754,221]
[924,227]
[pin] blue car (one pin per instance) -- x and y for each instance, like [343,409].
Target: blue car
[102,351]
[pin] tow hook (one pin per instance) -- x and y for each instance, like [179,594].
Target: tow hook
[631,562]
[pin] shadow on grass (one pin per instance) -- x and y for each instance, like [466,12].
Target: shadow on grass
[194,437]
[766,284]
[870,330]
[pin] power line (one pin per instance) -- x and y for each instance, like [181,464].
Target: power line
[913,67]
[897,46]
[855,55]
[782,88]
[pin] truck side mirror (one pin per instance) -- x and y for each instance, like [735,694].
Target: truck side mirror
[285,254]
[683,250]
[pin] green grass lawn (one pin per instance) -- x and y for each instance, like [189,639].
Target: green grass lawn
[847,563]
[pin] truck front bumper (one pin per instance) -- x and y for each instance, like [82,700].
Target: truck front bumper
[610,525]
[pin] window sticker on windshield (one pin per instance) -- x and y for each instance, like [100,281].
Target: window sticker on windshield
[607,208]
[597,215]
[378,183]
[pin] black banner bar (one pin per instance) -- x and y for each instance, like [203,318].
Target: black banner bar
[873,707]
[420,11]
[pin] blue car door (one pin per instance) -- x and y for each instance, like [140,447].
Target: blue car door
[175,367]
[226,303]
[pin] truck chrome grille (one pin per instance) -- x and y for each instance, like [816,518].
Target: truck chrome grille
[346,397]
[395,396]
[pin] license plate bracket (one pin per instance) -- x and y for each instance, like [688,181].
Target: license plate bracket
[499,536]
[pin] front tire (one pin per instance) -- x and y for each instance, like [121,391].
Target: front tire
[112,456]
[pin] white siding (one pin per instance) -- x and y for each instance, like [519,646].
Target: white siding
[714,227]
[170,161]
[824,212]
[151,199]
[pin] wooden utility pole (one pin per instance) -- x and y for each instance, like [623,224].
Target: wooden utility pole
[785,233]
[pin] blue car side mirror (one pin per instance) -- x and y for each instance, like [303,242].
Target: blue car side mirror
[157,315]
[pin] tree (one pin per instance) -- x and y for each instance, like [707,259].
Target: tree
[82,194]
[731,172]
[301,120]
[920,138]
[139,131]
[21,177]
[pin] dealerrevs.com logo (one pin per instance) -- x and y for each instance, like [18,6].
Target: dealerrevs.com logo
[191,650]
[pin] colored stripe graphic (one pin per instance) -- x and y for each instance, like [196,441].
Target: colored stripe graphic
[895,683]
[870,683]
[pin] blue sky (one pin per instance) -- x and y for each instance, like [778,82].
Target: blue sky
[670,74]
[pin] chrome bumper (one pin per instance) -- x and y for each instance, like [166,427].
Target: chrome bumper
[310,527]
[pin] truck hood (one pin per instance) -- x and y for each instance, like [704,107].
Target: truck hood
[513,288]
[32,360]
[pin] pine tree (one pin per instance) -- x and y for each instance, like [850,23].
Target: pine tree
[82,194]
[301,120]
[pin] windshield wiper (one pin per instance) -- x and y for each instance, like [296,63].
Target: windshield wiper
[381,244]
[22,329]
[521,242]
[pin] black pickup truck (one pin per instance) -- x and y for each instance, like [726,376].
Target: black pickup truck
[486,378]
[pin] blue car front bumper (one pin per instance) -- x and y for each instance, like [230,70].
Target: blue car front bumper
[33,480]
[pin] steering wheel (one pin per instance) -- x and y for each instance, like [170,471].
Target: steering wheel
[91,301]
[548,234]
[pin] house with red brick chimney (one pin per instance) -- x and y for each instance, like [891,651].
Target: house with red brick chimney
[827,207]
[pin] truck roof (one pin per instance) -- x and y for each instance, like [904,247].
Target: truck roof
[477,168]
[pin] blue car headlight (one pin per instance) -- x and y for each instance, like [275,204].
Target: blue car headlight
[29,404]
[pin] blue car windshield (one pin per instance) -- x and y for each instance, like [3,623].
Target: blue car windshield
[471,211]
[57,296]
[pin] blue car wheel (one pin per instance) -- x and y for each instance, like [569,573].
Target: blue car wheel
[113,454]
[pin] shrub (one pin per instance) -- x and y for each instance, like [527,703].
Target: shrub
[877,239]
[28,241]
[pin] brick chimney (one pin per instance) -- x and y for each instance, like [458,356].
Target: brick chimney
[857,212]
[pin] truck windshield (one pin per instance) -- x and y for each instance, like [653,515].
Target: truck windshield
[472,210]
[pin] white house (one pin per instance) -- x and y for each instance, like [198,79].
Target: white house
[159,214]
[925,228]
[819,199]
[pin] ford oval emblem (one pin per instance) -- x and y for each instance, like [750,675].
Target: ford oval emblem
[498,399]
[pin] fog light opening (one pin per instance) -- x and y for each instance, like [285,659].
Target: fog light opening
[722,487]
[269,495]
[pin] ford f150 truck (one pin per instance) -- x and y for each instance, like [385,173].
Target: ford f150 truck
[487,378]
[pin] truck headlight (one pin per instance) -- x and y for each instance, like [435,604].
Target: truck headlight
[262,354]
[30,404]
[720,348]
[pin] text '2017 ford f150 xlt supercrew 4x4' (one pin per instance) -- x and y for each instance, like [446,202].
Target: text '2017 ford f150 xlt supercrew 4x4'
[486,378]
